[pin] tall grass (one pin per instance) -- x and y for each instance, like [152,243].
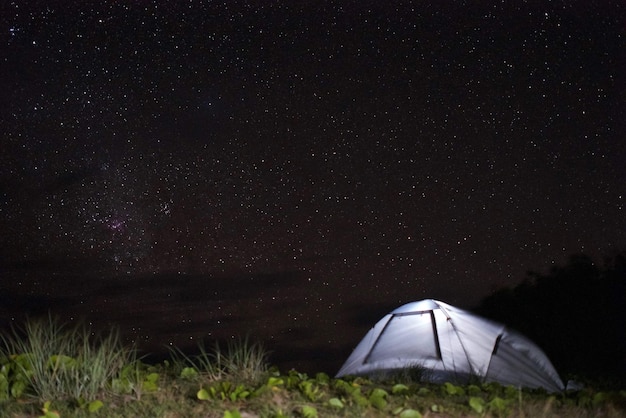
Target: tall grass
[240,360]
[244,359]
[65,362]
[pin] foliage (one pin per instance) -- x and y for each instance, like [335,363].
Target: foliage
[49,360]
[47,412]
[135,379]
[241,359]
[224,391]
[208,386]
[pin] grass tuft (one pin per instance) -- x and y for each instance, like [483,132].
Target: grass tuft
[240,360]
[63,362]
[244,360]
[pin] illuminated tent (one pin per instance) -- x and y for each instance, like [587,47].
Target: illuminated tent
[445,343]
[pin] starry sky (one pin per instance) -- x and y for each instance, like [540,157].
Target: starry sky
[301,167]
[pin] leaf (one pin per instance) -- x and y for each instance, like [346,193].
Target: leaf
[149,386]
[309,389]
[60,361]
[399,389]
[275,381]
[344,387]
[377,398]
[359,398]
[335,403]
[423,391]
[23,361]
[225,387]
[322,378]
[232,414]
[94,406]
[240,392]
[498,405]
[47,413]
[599,398]
[188,373]
[262,389]
[309,411]
[477,404]
[410,413]
[453,389]
[4,388]
[18,388]
[379,392]
[203,395]
[122,385]
[152,377]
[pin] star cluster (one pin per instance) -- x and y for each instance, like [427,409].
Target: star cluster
[379,152]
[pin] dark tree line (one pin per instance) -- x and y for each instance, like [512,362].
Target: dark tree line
[576,313]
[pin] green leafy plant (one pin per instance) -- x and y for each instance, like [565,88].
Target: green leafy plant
[203,395]
[95,406]
[274,382]
[400,389]
[322,379]
[310,390]
[378,397]
[352,390]
[47,412]
[453,390]
[134,379]
[15,375]
[498,406]
[224,391]
[335,403]
[308,411]
[232,414]
[294,378]
[150,382]
[477,404]
[92,406]
[436,408]
[407,413]
[189,373]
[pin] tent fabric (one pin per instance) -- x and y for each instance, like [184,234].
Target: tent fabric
[451,344]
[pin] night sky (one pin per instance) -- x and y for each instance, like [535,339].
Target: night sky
[292,169]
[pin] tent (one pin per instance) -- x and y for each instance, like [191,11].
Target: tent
[445,343]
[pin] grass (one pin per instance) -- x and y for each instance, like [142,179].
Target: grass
[241,360]
[52,370]
[61,362]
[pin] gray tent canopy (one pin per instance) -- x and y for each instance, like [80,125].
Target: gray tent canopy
[451,344]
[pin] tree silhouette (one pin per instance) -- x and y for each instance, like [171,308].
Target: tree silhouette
[576,314]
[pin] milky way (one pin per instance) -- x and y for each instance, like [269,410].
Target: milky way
[378,153]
